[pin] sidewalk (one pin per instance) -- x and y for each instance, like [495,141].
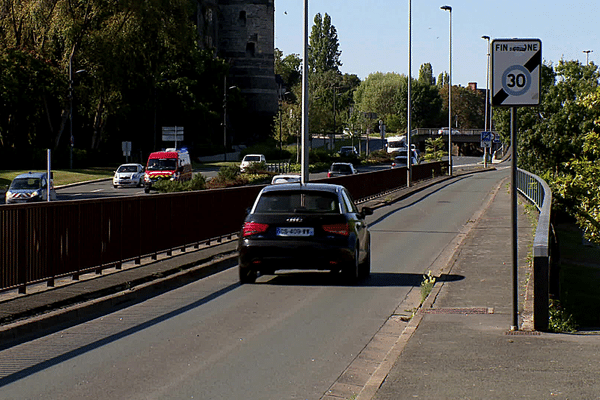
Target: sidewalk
[461,346]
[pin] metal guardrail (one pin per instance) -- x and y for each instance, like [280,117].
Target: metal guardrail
[545,274]
[43,241]
[280,168]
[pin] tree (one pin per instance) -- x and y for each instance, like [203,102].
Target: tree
[553,133]
[468,107]
[288,68]
[442,80]
[560,139]
[134,53]
[387,96]
[323,49]
[426,75]
[577,188]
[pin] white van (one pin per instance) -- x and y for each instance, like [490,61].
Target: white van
[30,187]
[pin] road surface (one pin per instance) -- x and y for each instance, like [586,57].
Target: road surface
[288,336]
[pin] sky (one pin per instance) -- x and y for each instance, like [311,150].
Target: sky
[373,34]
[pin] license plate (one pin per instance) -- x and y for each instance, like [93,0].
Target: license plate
[295,232]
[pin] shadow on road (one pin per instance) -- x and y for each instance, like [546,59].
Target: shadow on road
[325,278]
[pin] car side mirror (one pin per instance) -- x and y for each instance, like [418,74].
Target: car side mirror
[366,211]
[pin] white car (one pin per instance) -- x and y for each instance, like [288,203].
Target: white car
[340,169]
[444,131]
[285,178]
[129,175]
[251,159]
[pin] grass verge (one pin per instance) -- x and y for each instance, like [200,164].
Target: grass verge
[62,177]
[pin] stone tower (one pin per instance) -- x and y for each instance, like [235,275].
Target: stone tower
[242,33]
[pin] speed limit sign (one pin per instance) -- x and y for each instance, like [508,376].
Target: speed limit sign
[516,72]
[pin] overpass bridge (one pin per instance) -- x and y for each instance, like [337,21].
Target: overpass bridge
[466,142]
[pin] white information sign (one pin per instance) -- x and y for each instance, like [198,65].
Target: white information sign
[516,72]
[172,133]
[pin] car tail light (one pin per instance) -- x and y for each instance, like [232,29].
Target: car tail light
[329,174]
[338,229]
[252,228]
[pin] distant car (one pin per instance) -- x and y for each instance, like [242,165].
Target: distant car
[444,131]
[251,159]
[285,178]
[401,159]
[339,169]
[30,187]
[348,151]
[304,226]
[129,175]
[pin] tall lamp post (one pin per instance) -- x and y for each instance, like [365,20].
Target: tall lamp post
[449,9]
[587,56]
[487,83]
[409,100]
[71,138]
[487,95]
[304,165]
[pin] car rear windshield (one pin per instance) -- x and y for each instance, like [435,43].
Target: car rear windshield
[341,168]
[252,158]
[291,202]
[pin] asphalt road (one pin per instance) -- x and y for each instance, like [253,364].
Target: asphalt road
[288,336]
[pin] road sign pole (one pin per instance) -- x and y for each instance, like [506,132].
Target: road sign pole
[485,157]
[513,197]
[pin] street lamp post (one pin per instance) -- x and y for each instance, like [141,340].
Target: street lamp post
[409,100]
[587,56]
[449,9]
[71,138]
[487,83]
[305,131]
[487,96]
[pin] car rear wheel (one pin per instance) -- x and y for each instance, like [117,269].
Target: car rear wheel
[247,275]
[364,269]
[350,272]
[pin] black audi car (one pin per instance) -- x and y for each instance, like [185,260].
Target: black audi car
[305,226]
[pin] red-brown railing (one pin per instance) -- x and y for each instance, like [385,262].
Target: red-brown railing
[43,241]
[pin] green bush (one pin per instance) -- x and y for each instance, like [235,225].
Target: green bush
[379,157]
[228,173]
[256,168]
[198,182]
[560,321]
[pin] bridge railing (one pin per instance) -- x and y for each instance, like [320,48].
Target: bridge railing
[43,241]
[545,274]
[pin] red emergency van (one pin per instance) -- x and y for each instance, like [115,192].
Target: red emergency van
[170,164]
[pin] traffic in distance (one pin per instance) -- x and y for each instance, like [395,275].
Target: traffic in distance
[175,164]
